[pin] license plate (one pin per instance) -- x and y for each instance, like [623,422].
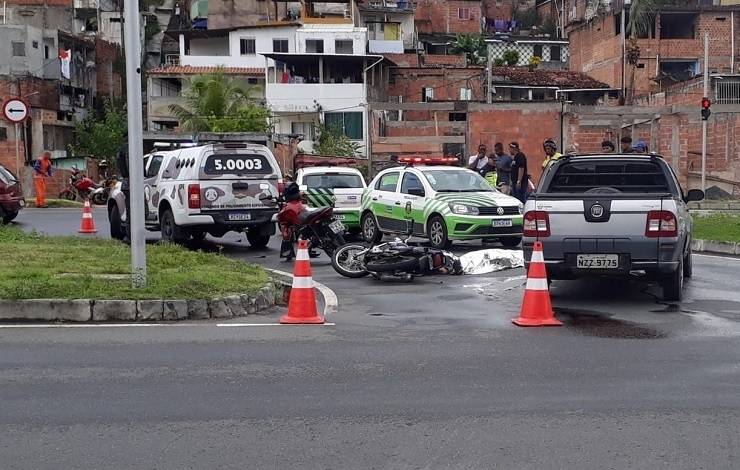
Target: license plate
[502,223]
[337,227]
[339,216]
[246,216]
[597,261]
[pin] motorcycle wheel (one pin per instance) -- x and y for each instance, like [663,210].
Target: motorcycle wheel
[99,199]
[341,263]
[393,264]
[68,195]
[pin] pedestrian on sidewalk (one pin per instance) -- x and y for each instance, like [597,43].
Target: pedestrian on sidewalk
[478,161]
[42,169]
[519,174]
[551,152]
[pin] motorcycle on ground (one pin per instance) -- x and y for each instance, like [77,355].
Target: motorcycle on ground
[396,259]
[81,187]
[296,222]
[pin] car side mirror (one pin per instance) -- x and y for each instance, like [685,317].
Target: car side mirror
[416,192]
[694,195]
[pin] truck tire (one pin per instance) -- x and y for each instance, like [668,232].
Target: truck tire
[116,228]
[437,232]
[171,232]
[257,240]
[673,284]
[510,242]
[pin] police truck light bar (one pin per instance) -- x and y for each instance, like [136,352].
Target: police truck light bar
[429,160]
[705,112]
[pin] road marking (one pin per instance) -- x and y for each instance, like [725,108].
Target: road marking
[246,325]
[718,256]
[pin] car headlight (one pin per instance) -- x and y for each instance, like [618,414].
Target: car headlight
[463,209]
[521,208]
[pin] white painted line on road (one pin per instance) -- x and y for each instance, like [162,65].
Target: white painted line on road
[96,325]
[717,256]
[331,302]
[243,325]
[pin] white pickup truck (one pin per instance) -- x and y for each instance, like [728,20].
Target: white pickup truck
[612,215]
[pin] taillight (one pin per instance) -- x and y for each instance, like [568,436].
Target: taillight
[661,224]
[536,224]
[193,196]
[281,186]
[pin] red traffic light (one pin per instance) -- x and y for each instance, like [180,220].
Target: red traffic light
[705,103]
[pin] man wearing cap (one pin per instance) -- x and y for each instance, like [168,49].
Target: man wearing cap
[626,144]
[478,162]
[519,182]
[551,152]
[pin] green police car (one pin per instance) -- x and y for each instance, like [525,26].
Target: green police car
[445,203]
[339,187]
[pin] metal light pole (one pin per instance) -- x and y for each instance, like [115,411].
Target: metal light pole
[132,42]
[703,121]
[623,26]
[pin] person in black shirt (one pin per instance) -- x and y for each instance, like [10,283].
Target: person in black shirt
[519,173]
[626,142]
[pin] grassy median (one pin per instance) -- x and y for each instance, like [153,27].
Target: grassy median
[39,266]
[717,227]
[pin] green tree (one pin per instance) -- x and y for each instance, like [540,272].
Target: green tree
[473,46]
[639,23]
[332,141]
[217,103]
[511,57]
[100,135]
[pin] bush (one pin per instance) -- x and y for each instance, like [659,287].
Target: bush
[511,57]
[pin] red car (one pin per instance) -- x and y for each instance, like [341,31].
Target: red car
[11,196]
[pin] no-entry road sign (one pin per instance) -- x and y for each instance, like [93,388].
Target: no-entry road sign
[15,110]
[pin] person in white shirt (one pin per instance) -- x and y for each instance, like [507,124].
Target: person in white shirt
[478,161]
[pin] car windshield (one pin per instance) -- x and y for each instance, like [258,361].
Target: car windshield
[333,181]
[6,176]
[456,181]
[621,175]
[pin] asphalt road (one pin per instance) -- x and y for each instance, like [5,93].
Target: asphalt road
[424,375]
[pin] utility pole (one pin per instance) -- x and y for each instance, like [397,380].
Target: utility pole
[489,76]
[704,121]
[623,30]
[132,41]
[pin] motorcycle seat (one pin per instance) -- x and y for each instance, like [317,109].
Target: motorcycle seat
[308,217]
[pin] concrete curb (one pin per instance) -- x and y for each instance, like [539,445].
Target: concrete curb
[85,310]
[331,302]
[711,246]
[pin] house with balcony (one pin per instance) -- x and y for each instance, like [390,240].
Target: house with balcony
[390,26]
[329,79]
[553,53]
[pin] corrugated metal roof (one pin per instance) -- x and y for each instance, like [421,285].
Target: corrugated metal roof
[192,70]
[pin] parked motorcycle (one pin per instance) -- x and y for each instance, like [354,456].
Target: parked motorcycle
[296,222]
[396,258]
[81,187]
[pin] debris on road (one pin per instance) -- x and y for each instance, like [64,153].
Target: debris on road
[492,260]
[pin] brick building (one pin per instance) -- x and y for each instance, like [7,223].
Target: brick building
[670,52]
[448,17]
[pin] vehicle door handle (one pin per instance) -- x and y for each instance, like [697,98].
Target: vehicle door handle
[375,199]
[398,203]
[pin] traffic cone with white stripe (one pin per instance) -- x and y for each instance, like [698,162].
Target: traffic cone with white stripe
[87,224]
[536,307]
[302,304]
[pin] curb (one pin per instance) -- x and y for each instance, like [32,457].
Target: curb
[711,246]
[85,310]
[331,302]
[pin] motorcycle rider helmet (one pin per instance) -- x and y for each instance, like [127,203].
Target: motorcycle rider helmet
[292,192]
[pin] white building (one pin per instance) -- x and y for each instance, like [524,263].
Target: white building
[390,26]
[329,79]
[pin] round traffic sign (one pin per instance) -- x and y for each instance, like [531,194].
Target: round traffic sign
[15,109]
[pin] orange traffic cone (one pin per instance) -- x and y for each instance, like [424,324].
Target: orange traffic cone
[87,224]
[536,307]
[302,303]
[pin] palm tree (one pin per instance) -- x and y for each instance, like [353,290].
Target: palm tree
[214,98]
[641,18]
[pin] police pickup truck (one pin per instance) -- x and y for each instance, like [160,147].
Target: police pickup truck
[612,215]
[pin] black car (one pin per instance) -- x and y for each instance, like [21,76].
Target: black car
[11,196]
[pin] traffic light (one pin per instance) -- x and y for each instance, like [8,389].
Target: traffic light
[705,112]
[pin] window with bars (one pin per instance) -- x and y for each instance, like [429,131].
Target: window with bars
[247,46]
[463,13]
[727,92]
